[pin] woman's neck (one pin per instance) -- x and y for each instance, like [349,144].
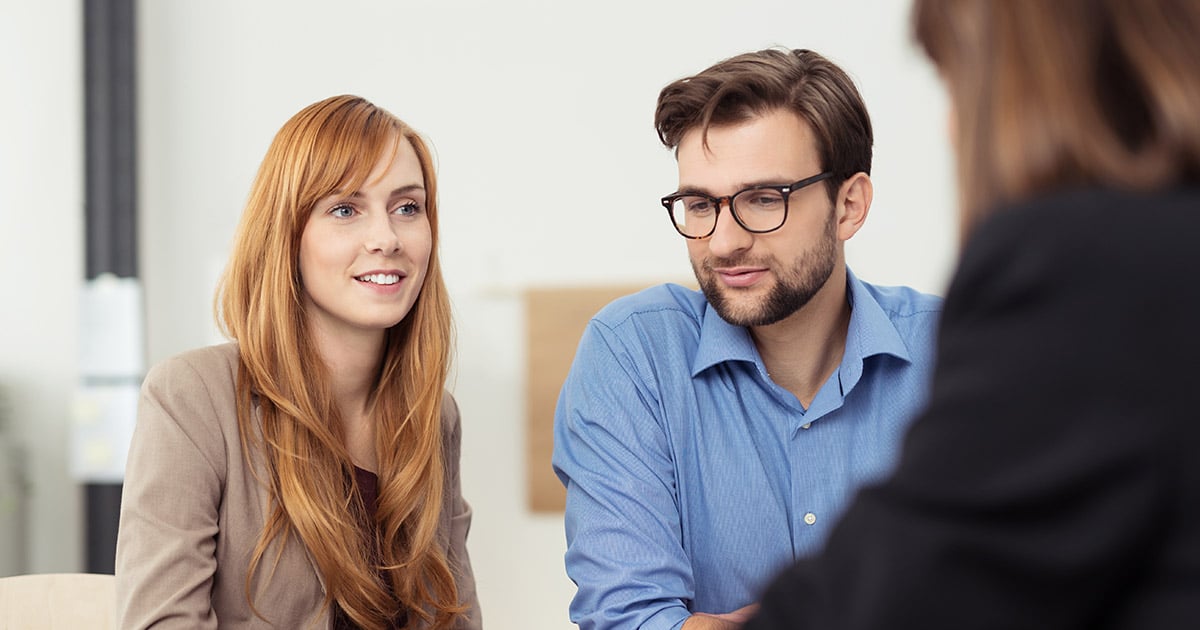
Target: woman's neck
[352,363]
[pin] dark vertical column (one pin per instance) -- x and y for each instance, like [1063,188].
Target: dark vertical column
[110,204]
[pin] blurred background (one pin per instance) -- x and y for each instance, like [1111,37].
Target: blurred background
[540,114]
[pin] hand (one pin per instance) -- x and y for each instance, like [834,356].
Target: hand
[727,621]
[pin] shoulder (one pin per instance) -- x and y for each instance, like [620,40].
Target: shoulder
[451,421]
[1106,207]
[1086,228]
[189,403]
[209,364]
[451,434]
[1102,281]
[1091,291]
[1082,245]
[451,427]
[913,314]
[647,326]
[197,382]
[902,301]
[661,303]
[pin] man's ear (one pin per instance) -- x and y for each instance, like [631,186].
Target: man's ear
[853,204]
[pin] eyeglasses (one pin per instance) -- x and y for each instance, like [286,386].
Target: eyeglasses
[757,209]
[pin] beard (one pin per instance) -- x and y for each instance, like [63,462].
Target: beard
[794,289]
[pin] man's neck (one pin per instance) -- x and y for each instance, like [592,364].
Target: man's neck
[803,350]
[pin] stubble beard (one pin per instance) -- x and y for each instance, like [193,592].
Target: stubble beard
[793,290]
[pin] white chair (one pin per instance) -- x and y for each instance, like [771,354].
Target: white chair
[57,601]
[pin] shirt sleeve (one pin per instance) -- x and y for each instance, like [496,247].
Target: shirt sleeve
[1033,491]
[166,541]
[612,453]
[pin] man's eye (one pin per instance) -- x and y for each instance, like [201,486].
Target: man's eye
[342,211]
[699,205]
[765,200]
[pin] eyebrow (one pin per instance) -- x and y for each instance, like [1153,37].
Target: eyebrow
[700,190]
[403,190]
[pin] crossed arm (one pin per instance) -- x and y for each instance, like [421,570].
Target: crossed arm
[624,526]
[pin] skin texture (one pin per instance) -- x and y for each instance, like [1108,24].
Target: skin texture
[381,229]
[727,621]
[788,286]
[760,279]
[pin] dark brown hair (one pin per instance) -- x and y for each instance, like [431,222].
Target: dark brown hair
[1051,94]
[753,84]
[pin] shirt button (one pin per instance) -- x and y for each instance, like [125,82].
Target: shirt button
[810,518]
[806,425]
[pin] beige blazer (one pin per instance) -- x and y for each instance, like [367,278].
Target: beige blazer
[192,512]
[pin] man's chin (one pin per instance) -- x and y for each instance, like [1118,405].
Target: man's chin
[739,307]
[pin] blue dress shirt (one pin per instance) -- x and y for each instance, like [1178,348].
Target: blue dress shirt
[691,477]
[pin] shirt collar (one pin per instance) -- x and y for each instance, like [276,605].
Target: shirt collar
[721,341]
[871,332]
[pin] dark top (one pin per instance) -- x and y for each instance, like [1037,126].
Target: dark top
[1054,480]
[368,491]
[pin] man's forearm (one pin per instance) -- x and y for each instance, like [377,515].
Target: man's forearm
[709,622]
[727,621]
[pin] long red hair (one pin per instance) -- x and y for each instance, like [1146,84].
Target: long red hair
[328,146]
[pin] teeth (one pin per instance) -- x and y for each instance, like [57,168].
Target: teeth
[381,278]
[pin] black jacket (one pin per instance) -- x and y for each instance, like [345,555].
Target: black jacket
[1054,480]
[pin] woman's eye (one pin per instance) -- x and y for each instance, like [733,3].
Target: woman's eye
[408,209]
[342,211]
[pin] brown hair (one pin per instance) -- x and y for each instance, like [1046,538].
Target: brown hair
[1050,94]
[328,146]
[752,84]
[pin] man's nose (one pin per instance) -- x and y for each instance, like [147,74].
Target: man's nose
[729,237]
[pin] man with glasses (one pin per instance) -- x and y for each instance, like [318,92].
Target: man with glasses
[708,439]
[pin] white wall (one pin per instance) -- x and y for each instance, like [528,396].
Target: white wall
[541,115]
[41,262]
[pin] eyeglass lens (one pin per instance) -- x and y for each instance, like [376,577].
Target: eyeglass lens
[757,210]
